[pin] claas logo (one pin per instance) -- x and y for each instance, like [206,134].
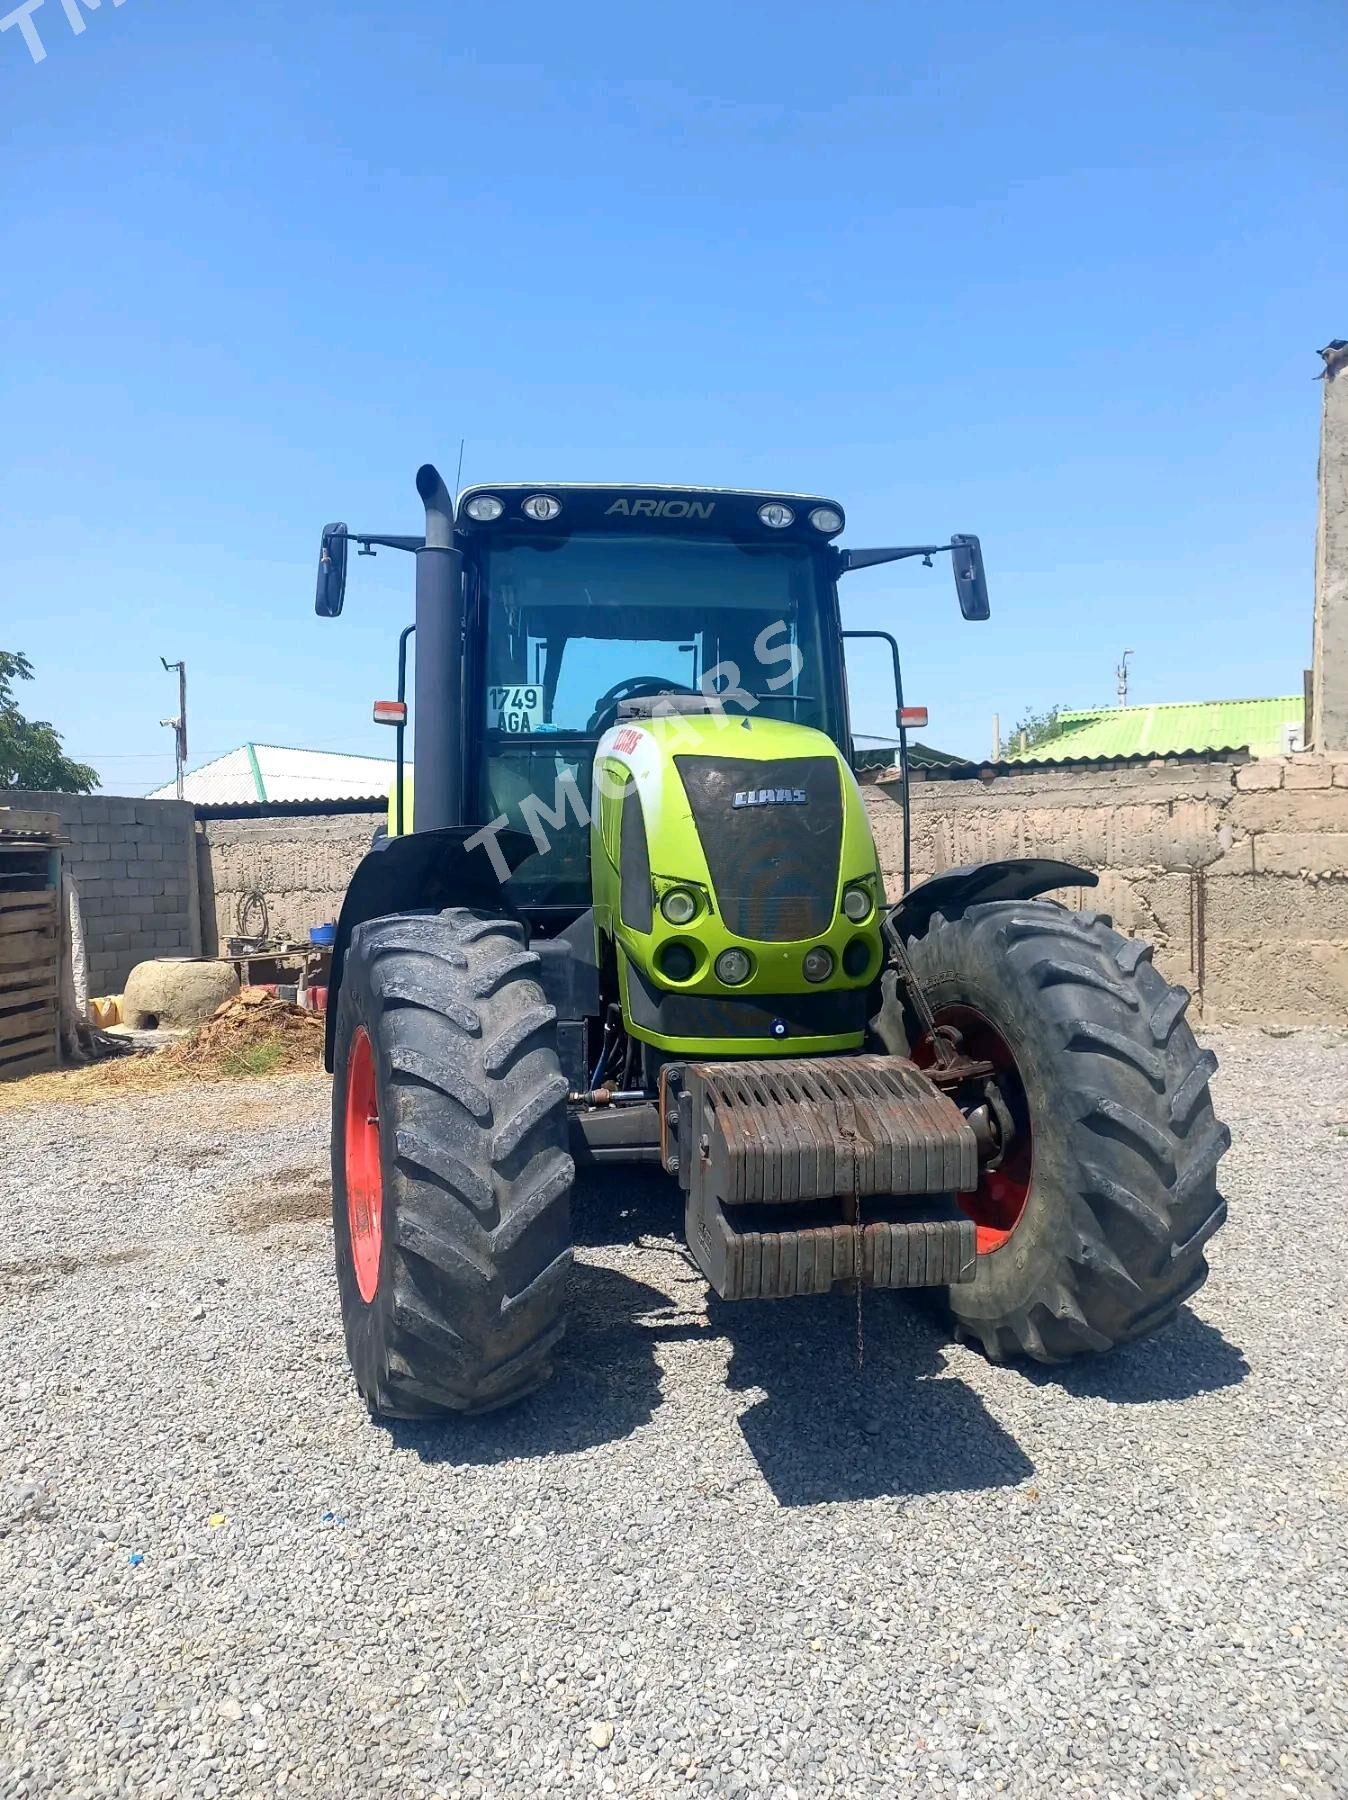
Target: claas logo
[772,797]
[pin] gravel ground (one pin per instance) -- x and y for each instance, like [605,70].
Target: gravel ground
[683,1569]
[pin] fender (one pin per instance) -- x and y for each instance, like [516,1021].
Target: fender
[423,871]
[1012,878]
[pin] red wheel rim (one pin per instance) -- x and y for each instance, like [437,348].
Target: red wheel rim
[364,1172]
[998,1202]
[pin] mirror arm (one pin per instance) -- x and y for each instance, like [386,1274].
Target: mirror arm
[365,538]
[966,556]
[869,559]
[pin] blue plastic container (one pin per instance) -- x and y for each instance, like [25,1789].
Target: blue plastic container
[324,936]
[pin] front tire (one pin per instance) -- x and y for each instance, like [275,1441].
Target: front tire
[1091,1232]
[450,1178]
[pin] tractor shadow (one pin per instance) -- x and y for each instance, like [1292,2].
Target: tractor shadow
[827,1430]
[605,1382]
[820,1430]
[903,1424]
[1185,1359]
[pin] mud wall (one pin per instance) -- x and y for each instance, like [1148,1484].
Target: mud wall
[300,866]
[1238,876]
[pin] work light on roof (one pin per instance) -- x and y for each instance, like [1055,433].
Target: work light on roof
[776,515]
[541,507]
[824,519]
[484,508]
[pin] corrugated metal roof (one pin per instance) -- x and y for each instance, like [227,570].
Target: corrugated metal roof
[262,772]
[1169,730]
[883,753]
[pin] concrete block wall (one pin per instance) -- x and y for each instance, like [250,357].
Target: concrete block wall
[1237,875]
[301,867]
[135,865]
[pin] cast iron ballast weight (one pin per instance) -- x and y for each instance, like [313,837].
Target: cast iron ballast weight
[639,916]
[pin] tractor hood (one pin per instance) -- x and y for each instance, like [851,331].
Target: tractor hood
[719,832]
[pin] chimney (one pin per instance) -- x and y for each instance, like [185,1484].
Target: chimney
[1329,693]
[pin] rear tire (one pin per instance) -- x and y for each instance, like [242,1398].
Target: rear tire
[451,1205]
[1107,1238]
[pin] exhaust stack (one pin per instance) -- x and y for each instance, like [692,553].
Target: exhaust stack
[437,798]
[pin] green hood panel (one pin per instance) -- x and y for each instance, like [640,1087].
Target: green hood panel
[763,824]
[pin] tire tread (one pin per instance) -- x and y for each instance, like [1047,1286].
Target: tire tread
[478,1242]
[1130,1089]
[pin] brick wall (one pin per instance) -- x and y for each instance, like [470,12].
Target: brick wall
[135,866]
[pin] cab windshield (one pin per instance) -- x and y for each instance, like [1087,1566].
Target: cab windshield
[575,625]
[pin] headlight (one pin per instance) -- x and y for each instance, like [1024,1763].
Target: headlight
[541,507]
[733,967]
[818,963]
[484,508]
[678,906]
[824,519]
[856,902]
[776,515]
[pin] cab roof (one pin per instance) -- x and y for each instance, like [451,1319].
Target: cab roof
[712,511]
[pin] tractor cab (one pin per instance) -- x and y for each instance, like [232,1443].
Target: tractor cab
[620,596]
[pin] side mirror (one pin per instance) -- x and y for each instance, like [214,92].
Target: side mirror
[331,573]
[971,584]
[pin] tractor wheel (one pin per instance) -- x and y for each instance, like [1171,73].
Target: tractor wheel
[451,1184]
[1092,1220]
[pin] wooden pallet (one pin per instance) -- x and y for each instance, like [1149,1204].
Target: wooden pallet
[30,953]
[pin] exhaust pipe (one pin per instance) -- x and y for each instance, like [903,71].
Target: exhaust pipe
[438,758]
[439,504]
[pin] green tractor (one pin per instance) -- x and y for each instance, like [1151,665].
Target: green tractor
[640,917]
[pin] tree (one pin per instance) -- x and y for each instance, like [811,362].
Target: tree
[1038,727]
[30,749]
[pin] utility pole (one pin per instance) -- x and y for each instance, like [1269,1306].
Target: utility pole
[1329,689]
[1122,673]
[180,723]
[996,737]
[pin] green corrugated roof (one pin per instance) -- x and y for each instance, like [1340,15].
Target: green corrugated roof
[1107,732]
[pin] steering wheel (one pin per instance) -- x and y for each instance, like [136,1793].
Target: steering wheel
[635,687]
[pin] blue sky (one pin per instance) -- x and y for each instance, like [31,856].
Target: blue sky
[1054,278]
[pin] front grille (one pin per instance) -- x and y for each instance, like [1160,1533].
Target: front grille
[773,867]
